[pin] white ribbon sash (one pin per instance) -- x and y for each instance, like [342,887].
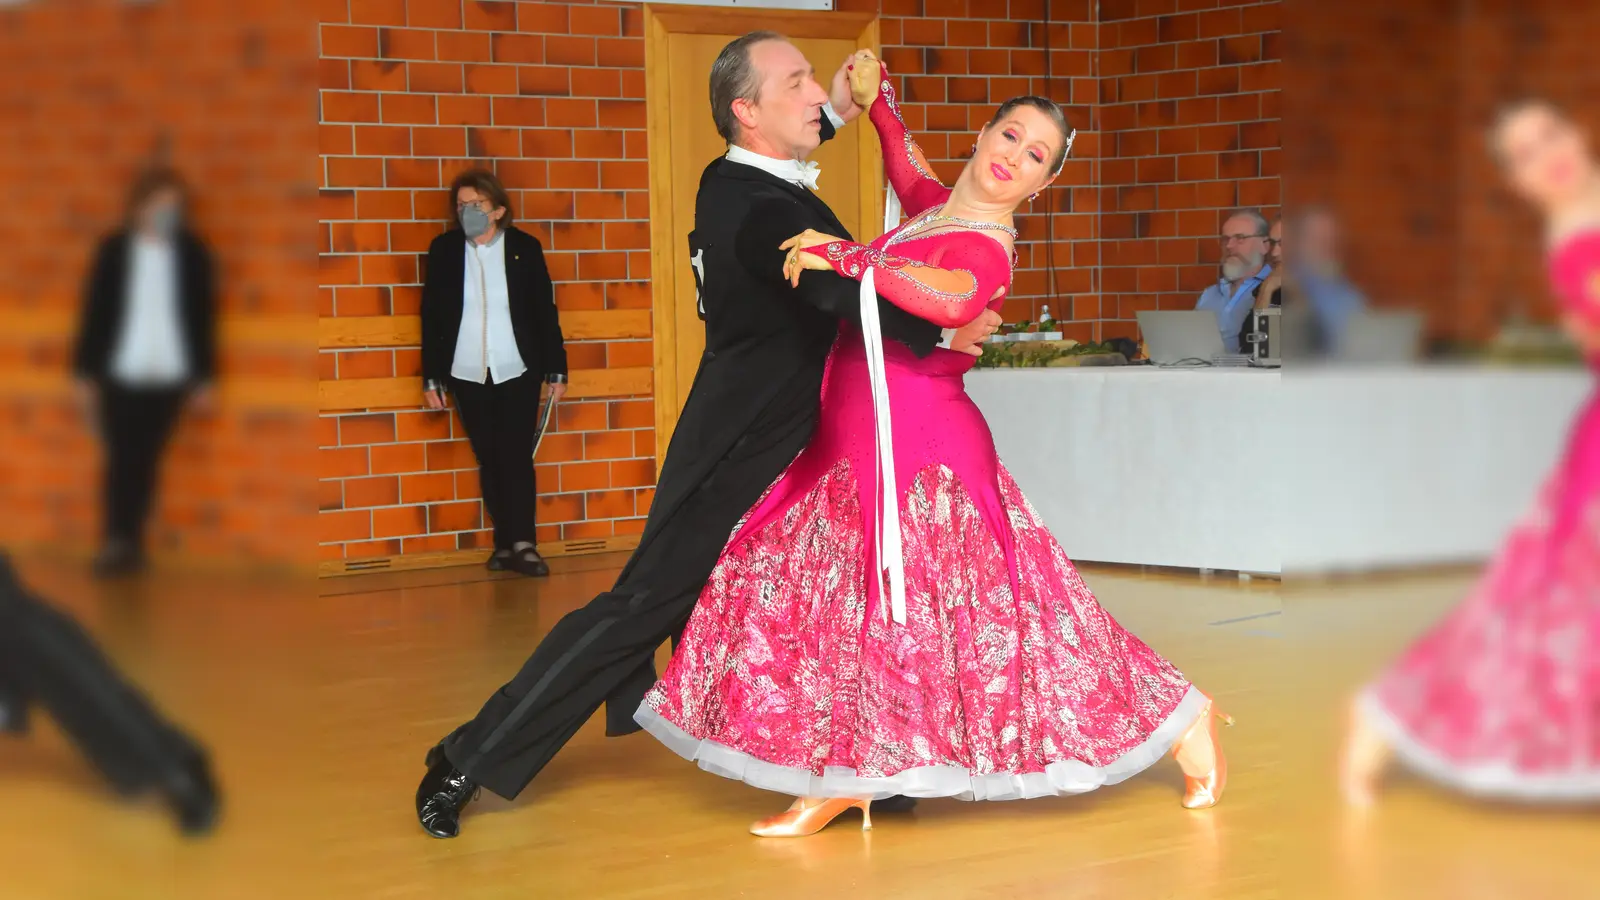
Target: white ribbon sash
[886,525]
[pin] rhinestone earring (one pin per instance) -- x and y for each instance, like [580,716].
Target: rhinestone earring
[1034,197]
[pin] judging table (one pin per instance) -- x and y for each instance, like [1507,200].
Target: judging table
[1312,470]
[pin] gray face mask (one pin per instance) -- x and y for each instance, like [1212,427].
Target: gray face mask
[166,220]
[474,221]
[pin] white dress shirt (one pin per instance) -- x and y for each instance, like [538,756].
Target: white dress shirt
[486,344]
[149,350]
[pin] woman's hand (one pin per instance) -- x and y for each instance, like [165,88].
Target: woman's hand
[434,399]
[799,260]
[865,74]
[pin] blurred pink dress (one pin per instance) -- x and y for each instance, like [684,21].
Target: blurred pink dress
[1502,698]
[1007,679]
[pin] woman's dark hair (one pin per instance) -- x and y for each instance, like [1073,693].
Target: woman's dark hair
[150,182]
[1052,110]
[488,185]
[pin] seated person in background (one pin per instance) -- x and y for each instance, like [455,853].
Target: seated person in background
[1244,266]
[1270,291]
[1319,278]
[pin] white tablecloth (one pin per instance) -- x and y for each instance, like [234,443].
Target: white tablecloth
[1262,471]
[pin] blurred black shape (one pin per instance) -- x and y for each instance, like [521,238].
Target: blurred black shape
[47,660]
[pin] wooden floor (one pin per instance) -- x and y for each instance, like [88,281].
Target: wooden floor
[318,700]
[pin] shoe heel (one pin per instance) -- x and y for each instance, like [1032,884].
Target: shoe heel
[866,814]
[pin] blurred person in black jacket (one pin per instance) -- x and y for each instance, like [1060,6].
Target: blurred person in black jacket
[47,660]
[146,346]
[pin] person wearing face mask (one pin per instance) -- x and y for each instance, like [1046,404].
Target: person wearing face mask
[1501,698]
[491,338]
[146,346]
[1244,267]
[892,618]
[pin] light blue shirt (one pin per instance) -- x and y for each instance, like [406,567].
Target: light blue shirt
[1232,303]
[1333,301]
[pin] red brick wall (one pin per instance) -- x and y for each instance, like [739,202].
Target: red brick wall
[93,88]
[1392,101]
[1189,125]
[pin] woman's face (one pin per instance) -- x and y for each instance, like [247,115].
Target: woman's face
[469,196]
[161,210]
[1545,156]
[1015,156]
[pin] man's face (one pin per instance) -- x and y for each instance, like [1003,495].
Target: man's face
[1244,248]
[1318,244]
[787,112]
[1275,244]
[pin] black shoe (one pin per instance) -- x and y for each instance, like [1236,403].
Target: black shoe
[444,792]
[119,558]
[527,561]
[192,794]
[895,804]
[497,560]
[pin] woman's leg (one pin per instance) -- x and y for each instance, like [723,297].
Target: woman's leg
[475,403]
[517,411]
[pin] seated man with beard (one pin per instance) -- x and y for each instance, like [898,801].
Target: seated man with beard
[1244,267]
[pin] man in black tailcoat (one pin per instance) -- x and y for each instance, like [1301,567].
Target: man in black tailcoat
[752,409]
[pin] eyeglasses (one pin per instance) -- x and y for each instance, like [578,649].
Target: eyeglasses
[1273,242]
[482,203]
[1241,238]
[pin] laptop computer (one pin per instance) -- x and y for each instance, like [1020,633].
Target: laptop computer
[1381,337]
[1185,337]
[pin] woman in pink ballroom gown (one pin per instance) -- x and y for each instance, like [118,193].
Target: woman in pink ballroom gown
[1502,698]
[1006,679]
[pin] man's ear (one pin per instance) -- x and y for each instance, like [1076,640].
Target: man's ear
[743,112]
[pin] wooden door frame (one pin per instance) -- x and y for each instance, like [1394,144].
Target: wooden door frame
[659,22]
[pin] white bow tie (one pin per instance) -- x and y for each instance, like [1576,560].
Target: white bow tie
[808,172]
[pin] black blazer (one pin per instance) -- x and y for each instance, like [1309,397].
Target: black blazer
[105,301]
[766,343]
[533,304]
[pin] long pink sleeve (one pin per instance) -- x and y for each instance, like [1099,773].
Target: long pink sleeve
[949,286]
[913,180]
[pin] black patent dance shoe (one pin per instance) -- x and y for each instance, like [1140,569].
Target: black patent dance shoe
[192,795]
[444,792]
[895,804]
[497,560]
[13,711]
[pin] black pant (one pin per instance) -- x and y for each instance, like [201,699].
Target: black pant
[604,652]
[135,425]
[502,421]
[47,659]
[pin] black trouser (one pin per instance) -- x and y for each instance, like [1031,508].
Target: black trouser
[47,659]
[502,421]
[605,651]
[135,425]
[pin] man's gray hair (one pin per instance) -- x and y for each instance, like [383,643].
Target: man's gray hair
[734,77]
[1262,227]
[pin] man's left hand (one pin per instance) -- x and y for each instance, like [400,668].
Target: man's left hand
[798,259]
[558,389]
[839,91]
